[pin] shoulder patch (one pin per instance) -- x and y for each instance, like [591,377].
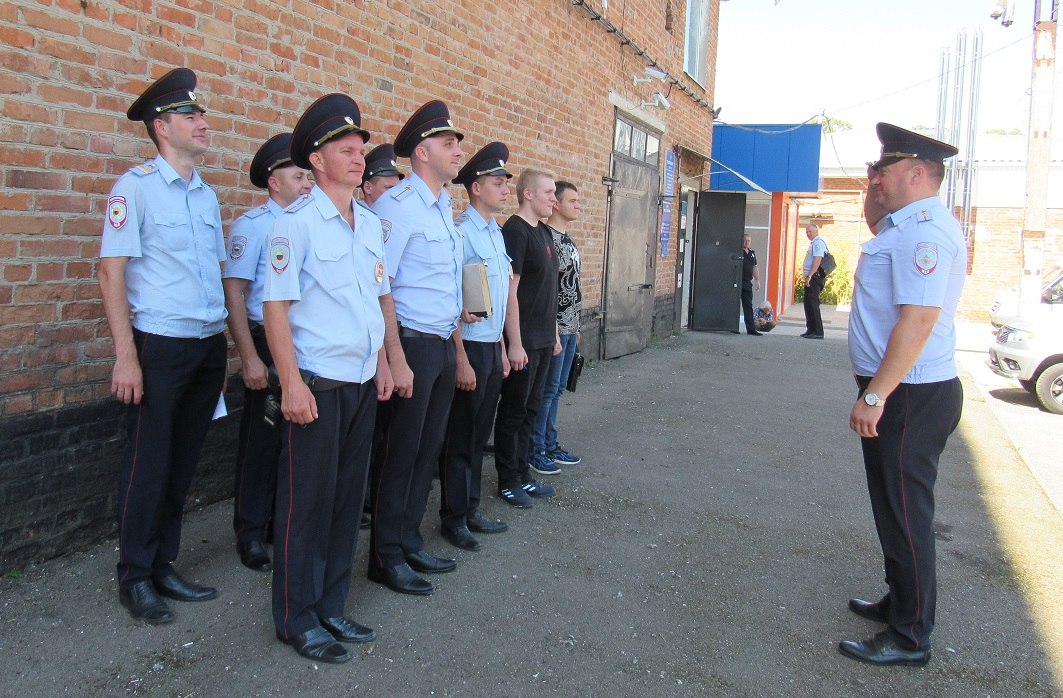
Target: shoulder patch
[116,212]
[926,257]
[256,212]
[385,225]
[279,251]
[298,203]
[145,169]
[237,245]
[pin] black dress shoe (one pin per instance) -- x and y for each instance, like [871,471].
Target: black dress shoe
[460,537]
[882,650]
[366,523]
[877,611]
[481,524]
[318,644]
[173,587]
[144,603]
[346,630]
[402,579]
[254,556]
[755,333]
[425,563]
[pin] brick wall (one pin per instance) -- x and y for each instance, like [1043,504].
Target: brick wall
[538,74]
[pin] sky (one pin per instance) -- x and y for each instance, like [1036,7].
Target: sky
[866,61]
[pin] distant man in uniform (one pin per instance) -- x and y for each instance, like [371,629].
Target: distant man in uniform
[902,343]
[424,258]
[325,331]
[531,335]
[244,279]
[750,276]
[814,280]
[546,454]
[161,257]
[381,173]
[481,353]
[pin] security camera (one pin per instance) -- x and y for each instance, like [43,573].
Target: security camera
[661,100]
[655,73]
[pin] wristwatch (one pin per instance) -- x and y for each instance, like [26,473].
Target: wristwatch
[873,400]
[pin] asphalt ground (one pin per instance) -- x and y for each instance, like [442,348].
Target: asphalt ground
[706,546]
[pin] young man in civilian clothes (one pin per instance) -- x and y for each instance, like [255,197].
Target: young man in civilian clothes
[481,352]
[902,343]
[546,455]
[814,281]
[424,260]
[243,279]
[531,335]
[325,331]
[160,260]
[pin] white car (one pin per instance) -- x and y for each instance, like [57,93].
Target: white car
[1029,348]
[1006,305]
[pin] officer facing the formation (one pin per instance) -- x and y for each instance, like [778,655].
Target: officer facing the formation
[481,354]
[244,278]
[381,173]
[325,331]
[424,256]
[902,343]
[161,257]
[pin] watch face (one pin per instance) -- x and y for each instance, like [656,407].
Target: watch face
[871,399]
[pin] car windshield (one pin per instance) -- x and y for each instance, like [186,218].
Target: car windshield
[1053,293]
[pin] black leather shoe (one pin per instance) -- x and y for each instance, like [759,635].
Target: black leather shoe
[346,630]
[872,611]
[402,579]
[254,556]
[144,603]
[319,645]
[173,587]
[460,537]
[366,523]
[882,650]
[755,333]
[481,524]
[424,563]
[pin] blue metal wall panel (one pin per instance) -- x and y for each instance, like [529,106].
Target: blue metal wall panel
[777,157]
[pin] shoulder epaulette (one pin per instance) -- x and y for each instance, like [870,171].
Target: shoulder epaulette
[401,193]
[298,203]
[145,169]
[256,212]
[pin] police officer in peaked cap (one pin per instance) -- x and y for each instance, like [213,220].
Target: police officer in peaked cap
[381,173]
[160,278]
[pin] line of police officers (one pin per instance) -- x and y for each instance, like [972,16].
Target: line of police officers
[334,308]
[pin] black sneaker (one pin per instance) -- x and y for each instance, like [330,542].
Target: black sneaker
[516,496]
[537,489]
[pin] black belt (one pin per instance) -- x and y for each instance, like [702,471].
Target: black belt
[409,332]
[318,383]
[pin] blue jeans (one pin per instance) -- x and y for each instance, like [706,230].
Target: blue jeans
[544,433]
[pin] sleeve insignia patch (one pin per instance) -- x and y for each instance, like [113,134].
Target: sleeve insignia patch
[279,252]
[237,245]
[386,227]
[926,258]
[116,211]
[379,271]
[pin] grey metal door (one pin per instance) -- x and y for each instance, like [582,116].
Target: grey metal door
[716,291]
[629,269]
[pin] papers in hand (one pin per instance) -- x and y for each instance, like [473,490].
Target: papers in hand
[476,294]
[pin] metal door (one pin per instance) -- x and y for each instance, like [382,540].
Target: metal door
[716,291]
[629,268]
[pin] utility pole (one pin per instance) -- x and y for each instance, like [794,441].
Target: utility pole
[1032,243]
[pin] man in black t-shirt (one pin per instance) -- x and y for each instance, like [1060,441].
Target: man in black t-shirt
[531,335]
[750,274]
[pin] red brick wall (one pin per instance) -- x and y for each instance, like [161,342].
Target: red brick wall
[536,74]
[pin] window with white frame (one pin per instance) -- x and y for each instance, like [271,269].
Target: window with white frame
[696,58]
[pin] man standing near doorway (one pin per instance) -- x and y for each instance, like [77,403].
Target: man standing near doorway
[750,275]
[160,263]
[244,281]
[814,280]
[902,343]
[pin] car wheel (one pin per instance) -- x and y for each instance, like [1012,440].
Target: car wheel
[1029,386]
[1050,388]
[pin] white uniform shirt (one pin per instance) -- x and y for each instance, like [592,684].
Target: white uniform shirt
[918,258]
[247,238]
[171,231]
[484,244]
[424,256]
[334,277]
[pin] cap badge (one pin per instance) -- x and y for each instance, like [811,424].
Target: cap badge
[349,120]
[192,95]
